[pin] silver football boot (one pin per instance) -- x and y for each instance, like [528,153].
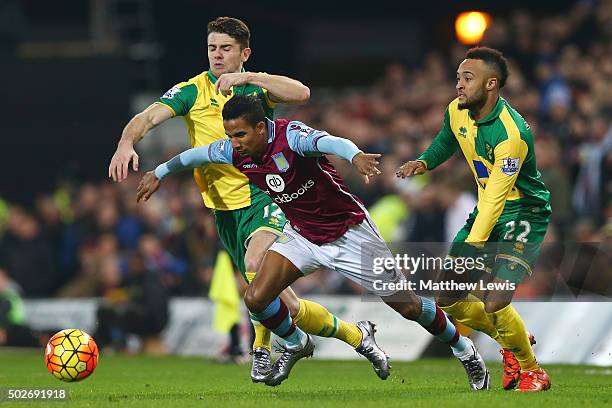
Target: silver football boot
[477,372]
[370,350]
[262,365]
[282,367]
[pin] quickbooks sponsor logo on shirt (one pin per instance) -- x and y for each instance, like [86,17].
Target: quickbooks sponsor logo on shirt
[287,198]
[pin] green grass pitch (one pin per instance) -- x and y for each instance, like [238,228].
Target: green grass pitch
[141,381]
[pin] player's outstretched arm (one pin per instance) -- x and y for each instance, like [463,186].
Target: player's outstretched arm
[441,149]
[133,132]
[216,152]
[411,168]
[189,159]
[280,88]
[307,141]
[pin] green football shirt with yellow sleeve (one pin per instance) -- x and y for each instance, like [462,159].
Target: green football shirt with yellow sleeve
[500,153]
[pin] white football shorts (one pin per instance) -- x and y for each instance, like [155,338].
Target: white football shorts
[352,255]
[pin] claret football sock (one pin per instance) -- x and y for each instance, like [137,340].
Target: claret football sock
[434,320]
[315,319]
[276,317]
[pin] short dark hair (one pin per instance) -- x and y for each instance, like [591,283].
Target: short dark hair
[233,27]
[493,58]
[247,106]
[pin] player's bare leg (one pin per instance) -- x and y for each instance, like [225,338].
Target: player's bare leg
[262,365]
[262,362]
[312,318]
[256,249]
[262,299]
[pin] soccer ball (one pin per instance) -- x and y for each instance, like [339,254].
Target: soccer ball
[71,355]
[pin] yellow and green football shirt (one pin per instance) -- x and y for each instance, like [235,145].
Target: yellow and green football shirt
[223,187]
[499,150]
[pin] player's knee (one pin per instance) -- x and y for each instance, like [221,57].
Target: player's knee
[253,301]
[492,306]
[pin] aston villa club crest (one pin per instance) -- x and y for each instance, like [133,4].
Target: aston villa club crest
[281,162]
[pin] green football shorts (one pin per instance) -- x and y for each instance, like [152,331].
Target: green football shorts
[514,244]
[236,227]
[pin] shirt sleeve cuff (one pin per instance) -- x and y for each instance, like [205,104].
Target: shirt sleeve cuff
[422,161]
[161,171]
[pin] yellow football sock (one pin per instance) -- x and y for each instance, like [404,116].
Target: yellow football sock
[512,332]
[262,336]
[315,319]
[262,333]
[471,312]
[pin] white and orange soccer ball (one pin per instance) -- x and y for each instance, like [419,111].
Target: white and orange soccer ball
[71,355]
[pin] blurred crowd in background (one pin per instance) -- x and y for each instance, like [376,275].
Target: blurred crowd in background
[87,240]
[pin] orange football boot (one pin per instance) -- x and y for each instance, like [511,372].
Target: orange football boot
[512,368]
[532,381]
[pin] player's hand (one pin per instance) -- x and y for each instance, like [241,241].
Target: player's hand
[412,168]
[148,185]
[226,81]
[120,163]
[366,164]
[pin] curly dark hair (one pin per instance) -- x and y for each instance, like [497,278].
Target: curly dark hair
[493,58]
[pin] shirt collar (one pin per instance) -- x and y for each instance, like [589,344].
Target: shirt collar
[494,112]
[211,77]
[271,130]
